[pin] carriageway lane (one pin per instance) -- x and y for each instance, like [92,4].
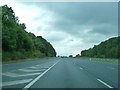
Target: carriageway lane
[60,73]
[105,71]
[23,64]
[65,74]
[17,75]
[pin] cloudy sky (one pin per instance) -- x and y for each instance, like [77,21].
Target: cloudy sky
[69,26]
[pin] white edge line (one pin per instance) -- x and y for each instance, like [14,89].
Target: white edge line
[104,83]
[36,79]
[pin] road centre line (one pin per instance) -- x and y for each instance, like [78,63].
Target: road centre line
[104,83]
[37,78]
[16,82]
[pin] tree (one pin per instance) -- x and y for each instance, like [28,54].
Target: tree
[70,56]
[18,43]
[106,49]
[78,55]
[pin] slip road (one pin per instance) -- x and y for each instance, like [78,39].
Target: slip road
[60,73]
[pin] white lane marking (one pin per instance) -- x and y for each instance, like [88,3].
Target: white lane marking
[104,83]
[18,75]
[33,67]
[31,74]
[37,78]
[27,70]
[16,82]
[38,65]
[81,68]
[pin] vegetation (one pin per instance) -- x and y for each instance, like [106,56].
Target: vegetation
[106,49]
[19,44]
[78,55]
[70,55]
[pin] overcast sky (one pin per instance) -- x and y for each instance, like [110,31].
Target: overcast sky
[69,27]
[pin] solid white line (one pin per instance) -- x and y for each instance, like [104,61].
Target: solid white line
[104,83]
[19,75]
[81,68]
[16,82]
[37,78]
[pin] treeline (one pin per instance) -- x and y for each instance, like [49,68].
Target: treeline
[19,44]
[106,49]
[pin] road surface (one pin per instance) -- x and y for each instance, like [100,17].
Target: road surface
[60,73]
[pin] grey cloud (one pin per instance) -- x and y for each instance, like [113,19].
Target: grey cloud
[71,15]
[108,30]
[91,22]
[85,13]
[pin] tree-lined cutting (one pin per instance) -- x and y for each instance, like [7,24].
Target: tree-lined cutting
[18,43]
[106,49]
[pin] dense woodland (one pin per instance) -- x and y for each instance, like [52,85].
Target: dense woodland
[19,44]
[106,49]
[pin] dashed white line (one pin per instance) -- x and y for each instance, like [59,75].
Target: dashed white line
[16,82]
[37,78]
[104,83]
[81,68]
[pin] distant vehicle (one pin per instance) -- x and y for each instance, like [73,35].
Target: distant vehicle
[63,56]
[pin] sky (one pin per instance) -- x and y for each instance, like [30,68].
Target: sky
[69,26]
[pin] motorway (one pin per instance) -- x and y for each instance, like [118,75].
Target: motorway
[60,73]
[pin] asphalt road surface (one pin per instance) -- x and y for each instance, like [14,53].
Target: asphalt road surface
[60,73]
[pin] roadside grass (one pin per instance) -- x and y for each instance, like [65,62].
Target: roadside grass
[113,61]
[14,57]
[104,60]
[23,60]
[0,57]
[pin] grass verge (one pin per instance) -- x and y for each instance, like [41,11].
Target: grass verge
[104,60]
[22,60]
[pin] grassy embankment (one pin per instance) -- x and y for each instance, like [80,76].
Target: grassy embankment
[105,60]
